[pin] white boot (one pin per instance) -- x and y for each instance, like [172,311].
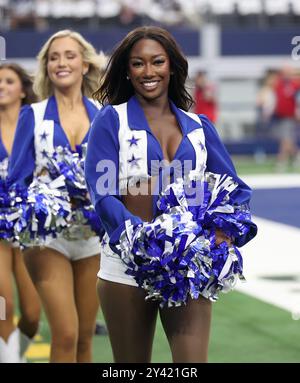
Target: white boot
[24,344]
[10,350]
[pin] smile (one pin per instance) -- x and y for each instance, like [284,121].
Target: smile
[62,74]
[149,85]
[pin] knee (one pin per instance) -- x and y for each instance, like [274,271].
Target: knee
[85,340]
[66,340]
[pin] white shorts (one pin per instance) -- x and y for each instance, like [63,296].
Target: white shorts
[112,267]
[76,249]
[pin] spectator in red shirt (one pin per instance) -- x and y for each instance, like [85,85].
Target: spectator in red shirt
[286,126]
[204,97]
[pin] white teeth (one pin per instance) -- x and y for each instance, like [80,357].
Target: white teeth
[150,84]
[63,73]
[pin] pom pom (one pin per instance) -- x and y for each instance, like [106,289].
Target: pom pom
[11,198]
[175,256]
[71,165]
[45,212]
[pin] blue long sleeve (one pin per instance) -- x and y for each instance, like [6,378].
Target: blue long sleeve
[219,161]
[102,173]
[22,160]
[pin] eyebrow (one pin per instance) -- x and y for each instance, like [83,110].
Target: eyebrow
[9,77]
[154,56]
[68,51]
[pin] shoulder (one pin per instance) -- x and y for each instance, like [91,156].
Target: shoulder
[107,112]
[26,114]
[207,125]
[110,116]
[213,138]
[106,119]
[190,121]
[25,124]
[204,119]
[210,131]
[201,120]
[195,117]
[26,109]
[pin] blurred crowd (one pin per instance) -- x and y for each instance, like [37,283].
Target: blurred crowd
[278,113]
[40,14]
[277,107]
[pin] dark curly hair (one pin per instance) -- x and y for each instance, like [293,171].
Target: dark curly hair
[26,81]
[115,89]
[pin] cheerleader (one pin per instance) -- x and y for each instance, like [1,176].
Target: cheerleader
[64,269]
[159,251]
[15,91]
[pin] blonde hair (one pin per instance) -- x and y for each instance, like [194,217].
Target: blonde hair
[97,62]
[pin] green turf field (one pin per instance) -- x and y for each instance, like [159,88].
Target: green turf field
[247,165]
[244,329]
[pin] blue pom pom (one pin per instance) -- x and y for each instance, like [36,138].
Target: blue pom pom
[175,256]
[44,212]
[11,200]
[70,164]
[58,202]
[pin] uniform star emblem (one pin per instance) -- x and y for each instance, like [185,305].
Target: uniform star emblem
[133,141]
[44,136]
[134,161]
[201,144]
[44,153]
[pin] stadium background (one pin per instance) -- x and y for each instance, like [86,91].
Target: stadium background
[235,42]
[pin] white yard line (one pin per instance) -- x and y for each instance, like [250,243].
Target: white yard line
[273,253]
[265,181]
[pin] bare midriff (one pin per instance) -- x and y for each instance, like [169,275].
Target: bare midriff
[138,200]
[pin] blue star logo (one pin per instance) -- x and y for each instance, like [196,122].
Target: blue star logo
[133,141]
[134,161]
[44,136]
[44,153]
[201,145]
[103,243]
